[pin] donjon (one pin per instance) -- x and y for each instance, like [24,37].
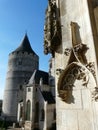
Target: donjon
[22,63]
[71,36]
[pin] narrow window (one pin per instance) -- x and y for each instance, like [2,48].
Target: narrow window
[29,89]
[21,112]
[42,115]
[36,112]
[28,109]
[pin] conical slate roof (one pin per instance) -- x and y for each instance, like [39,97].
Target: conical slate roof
[25,46]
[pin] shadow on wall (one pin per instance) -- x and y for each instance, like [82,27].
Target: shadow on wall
[36,129]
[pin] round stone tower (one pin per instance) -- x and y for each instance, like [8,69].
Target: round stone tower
[22,63]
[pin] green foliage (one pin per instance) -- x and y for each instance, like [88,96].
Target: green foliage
[4,124]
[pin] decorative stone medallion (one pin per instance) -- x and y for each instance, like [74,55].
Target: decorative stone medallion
[72,73]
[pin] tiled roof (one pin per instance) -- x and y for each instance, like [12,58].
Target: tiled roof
[48,97]
[37,75]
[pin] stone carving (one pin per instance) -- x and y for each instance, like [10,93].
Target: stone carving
[67,51]
[80,51]
[95,94]
[84,77]
[75,73]
[65,94]
[80,47]
[59,71]
[52,28]
[75,70]
[91,67]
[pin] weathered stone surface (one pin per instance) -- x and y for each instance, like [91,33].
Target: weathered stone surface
[76,99]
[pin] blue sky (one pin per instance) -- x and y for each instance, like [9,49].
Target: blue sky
[16,18]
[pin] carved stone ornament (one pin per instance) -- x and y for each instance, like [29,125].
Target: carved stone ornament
[95,94]
[67,51]
[72,73]
[59,71]
[91,67]
[79,52]
[52,28]
[77,68]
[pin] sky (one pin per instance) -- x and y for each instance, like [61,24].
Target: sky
[18,17]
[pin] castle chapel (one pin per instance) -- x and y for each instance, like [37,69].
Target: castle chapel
[66,98]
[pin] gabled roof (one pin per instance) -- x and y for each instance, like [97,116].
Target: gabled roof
[21,101]
[25,46]
[48,97]
[37,75]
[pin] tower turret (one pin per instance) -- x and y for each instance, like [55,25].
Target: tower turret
[22,63]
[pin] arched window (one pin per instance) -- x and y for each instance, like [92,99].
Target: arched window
[21,111]
[28,109]
[42,115]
